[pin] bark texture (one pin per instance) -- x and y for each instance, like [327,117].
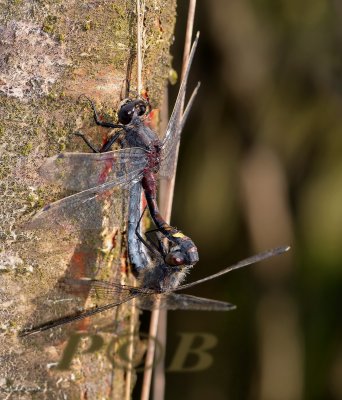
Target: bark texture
[51,52]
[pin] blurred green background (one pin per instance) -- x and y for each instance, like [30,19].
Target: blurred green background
[261,166]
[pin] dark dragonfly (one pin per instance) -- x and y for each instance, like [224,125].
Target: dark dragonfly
[158,286]
[95,175]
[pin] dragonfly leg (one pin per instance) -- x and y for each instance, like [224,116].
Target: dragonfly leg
[106,147]
[149,244]
[86,141]
[101,123]
[161,247]
[96,116]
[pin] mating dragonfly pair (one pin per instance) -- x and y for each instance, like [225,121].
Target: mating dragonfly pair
[135,165]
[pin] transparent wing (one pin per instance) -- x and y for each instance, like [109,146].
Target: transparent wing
[73,317]
[84,210]
[107,289]
[169,154]
[110,294]
[241,264]
[172,301]
[176,123]
[81,171]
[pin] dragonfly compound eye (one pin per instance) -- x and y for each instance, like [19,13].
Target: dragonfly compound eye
[125,113]
[141,108]
[175,258]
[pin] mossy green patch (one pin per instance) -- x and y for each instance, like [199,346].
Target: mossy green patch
[61,37]
[26,149]
[87,25]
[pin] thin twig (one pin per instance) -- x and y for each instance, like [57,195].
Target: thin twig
[168,186]
[159,372]
[130,351]
[146,387]
[166,199]
[140,23]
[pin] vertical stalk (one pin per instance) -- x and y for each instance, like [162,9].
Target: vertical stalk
[166,200]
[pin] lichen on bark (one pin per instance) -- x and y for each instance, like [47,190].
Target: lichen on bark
[51,52]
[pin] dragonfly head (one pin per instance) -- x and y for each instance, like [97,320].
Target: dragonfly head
[184,253]
[131,109]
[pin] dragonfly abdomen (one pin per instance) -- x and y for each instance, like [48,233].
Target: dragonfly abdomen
[186,245]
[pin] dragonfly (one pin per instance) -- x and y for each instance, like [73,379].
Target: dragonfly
[159,284]
[95,175]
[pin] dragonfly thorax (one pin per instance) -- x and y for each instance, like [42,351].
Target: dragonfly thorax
[154,156]
[164,278]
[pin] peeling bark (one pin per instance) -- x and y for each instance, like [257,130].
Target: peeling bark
[51,52]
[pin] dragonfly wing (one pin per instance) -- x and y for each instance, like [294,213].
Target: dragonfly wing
[170,149]
[73,317]
[84,210]
[106,296]
[112,290]
[81,171]
[174,127]
[172,301]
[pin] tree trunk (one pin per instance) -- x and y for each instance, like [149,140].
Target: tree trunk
[51,52]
